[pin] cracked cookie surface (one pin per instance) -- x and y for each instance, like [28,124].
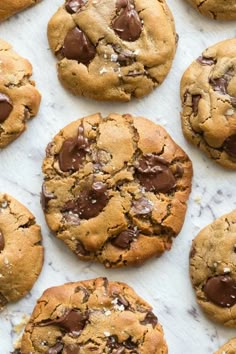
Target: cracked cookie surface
[216,9]
[19,99]
[93,316]
[208,94]
[112,50]
[21,253]
[228,348]
[213,269]
[115,188]
[11,7]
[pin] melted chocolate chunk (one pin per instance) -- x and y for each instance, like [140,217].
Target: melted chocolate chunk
[195,101]
[85,292]
[129,344]
[73,6]
[206,61]
[230,145]
[77,46]
[142,206]
[112,343]
[150,318]
[154,174]
[220,85]
[73,321]
[221,290]
[72,349]
[73,152]
[125,56]
[45,197]
[80,249]
[5,107]
[2,242]
[127,25]
[71,218]
[56,349]
[3,300]
[90,202]
[124,239]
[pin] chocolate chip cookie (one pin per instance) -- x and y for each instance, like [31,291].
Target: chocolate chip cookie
[21,253]
[115,188]
[19,99]
[93,316]
[112,50]
[208,93]
[216,9]
[228,348]
[11,7]
[213,269]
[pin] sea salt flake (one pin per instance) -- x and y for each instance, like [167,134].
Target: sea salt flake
[107,334]
[103,71]
[227,270]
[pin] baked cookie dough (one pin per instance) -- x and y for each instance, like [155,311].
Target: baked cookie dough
[112,50]
[19,99]
[93,316]
[11,7]
[208,94]
[216,9]
[213,269]
[21,253]
[228,348]
[115,188]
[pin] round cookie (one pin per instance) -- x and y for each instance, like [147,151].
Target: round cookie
[115,188]
[216,9]
[93,316]
[112,50]
[208,94]
[228,348]
[11,7]
[213,269]
[19,99]
[21,253]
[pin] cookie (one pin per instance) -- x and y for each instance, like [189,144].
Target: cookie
[115,188]
[228,348]
[216,9]
[112,50]
[11,7]
[208,94]
[93,316]
[19,99]
[21,253]
[213,269]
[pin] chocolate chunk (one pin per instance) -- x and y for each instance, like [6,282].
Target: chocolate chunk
[154,174]
[77,46]
[71,218]
[125,56]
[127,25]
[80,250]
[85,292]
[90,202]
[195,101]
[178,170]
[206,61]
[2,242]
[45,197]
[73,6]
[124,239]
[5,107]
[3,300]
[150,318]
[142,206]
[220,85]
[56,349]
[73,321]
[230,145]
[72,349]
[112,343]
[221,290]
[121,4]
[73,152]
[129,344]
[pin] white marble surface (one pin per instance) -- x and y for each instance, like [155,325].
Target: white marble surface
[163,282]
